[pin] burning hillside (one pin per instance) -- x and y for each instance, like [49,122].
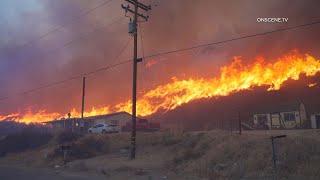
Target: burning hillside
[234,77]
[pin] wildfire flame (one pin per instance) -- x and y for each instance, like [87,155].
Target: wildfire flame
[234,77]
[312,84]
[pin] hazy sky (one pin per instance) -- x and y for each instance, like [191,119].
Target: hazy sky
[173,24]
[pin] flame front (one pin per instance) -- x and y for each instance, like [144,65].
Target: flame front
[234,77]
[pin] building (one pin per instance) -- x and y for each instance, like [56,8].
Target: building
[82,125]
[71,124]
[119,119]
[286,116]
[315,121]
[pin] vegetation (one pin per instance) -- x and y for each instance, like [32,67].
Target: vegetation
[209,154]
[23,141]
[67,137]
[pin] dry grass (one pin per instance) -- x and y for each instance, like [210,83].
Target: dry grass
[230,156]
[208,154]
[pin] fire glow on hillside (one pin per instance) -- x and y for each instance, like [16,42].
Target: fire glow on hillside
[234,77]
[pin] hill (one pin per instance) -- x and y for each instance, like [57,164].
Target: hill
[219,111]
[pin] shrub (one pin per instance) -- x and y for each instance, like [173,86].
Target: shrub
[89,146]
[24,141]
[67,137]
[84,147]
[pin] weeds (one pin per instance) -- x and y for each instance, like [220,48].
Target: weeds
[67,137]
[23,141]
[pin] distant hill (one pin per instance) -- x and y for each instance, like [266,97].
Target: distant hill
[219,111]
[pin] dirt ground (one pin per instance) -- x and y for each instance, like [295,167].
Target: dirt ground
[192,155]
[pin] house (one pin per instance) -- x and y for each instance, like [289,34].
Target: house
[286,116]
[71,124]
[119,118]
[82,125]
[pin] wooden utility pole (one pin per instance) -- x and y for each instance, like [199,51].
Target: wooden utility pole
[133,30]
[83,95]
[82,107]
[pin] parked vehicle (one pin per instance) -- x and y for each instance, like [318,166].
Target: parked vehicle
[103,128]
[142,125]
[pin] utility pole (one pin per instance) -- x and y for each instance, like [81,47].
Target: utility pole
[133,30]
[83,95]
[82,107]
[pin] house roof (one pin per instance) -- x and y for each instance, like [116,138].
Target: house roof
[108,115]
[91,117]
[285,107]
[61,120]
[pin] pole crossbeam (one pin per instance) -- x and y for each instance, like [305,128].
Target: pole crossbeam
[140,5]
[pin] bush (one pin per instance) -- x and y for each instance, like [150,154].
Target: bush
[171,139]
[90,146]
[23,141]
[84,147]
[67,137]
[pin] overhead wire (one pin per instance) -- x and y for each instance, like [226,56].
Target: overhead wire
[121,51]
[82,36]
[78,76]
[232,39]
[63,25]
[141,39]
[142,49]
[168,52]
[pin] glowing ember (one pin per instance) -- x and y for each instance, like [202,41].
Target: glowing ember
[312,84]
[234,77]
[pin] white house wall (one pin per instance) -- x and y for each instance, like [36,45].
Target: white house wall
[291,124]
[276,121]
[303,113]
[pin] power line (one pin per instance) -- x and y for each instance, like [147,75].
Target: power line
[82,36]
[164,53]
[79,76]
[63,25]
[69,43]
[142,49]
[141,39]
[121,51]
[233,39]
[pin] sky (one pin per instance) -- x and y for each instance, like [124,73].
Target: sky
[173,24]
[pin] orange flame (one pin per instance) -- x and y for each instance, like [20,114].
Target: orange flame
[234,77]
[312,84]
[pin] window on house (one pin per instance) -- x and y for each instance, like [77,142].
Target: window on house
[262,119]
[289,116]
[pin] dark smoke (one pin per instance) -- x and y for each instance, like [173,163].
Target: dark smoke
[172,25]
